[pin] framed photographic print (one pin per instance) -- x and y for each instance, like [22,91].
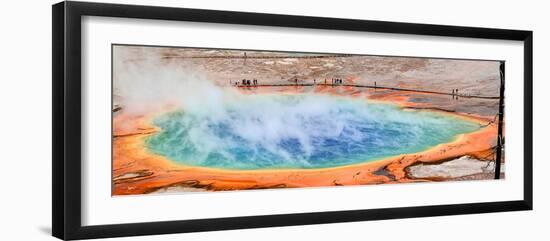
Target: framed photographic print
[170,120]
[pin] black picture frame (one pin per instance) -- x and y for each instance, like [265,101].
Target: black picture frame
[66,127]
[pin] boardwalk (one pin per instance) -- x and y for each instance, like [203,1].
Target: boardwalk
[262,56]
[373,87]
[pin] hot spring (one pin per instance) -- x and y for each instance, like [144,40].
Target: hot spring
[271,131]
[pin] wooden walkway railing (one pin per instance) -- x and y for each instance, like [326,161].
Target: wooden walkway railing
[261,56]
[373,87]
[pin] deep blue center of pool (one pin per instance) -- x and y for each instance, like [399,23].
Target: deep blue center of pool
[298,131]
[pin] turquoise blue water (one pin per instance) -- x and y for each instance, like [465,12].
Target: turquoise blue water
[298,131]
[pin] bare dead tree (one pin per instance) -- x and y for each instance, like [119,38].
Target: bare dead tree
[500,138]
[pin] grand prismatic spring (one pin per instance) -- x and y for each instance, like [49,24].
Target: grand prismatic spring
[188,119]
[299,131]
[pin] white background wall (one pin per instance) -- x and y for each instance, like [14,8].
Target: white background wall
[25,119]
